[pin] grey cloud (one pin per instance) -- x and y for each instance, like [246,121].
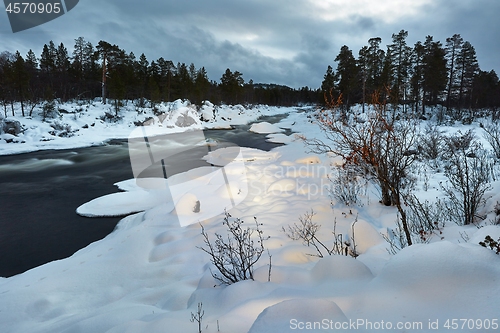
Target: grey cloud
[203,32]
[363,23]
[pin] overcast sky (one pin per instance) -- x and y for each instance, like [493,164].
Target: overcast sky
[287,42]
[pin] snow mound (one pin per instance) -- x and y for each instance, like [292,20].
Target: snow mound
[280,138]
[282,186]
[313,159]
[339,267]
[365,236]
[461,280]
[491,230]
[224,156]
[265,128]
[121,204]
[422,264]
[298,314]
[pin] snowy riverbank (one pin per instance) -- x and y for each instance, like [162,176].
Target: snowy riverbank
[149,275]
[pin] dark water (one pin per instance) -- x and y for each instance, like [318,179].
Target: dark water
[40,191]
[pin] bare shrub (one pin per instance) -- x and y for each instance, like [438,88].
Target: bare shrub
[496,210]
[383,147]
[346,186]
[426,219]
[306,231]
[492,135]
[431,142]
[469,172]
[235,255]
[198,317]
[491,243]
[397,238]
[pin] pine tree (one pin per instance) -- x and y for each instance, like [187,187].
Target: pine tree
[20,79]
[62,64]
[142,77]
[231,86]
[453,47]
[48,58]
[31,64]
[62,59]
[417,73]
[104,50]
[375,59]
[485,93]
[467,69]
[84,67]
[6,81]
[153,87]
[48,68]
[31,60]
[347,75]
[401,54]
[363,63]
[183,81]
[434,72]
[201,85]
[167,70]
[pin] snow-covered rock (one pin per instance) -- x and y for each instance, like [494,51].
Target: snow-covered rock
[265,128]
[310,315]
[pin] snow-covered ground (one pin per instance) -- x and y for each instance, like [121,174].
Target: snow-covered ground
[80,124]
[149,275]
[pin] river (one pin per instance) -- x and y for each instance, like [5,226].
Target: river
[40,191]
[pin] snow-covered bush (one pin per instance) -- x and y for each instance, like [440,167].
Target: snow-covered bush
[10,126]
[49,110]
[235,256]
[111,117]
[61,129]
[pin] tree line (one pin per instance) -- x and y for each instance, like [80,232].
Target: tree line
[109,72]
[427,74]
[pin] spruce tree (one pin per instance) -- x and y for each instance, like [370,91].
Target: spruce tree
[347,75]
[328,83]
